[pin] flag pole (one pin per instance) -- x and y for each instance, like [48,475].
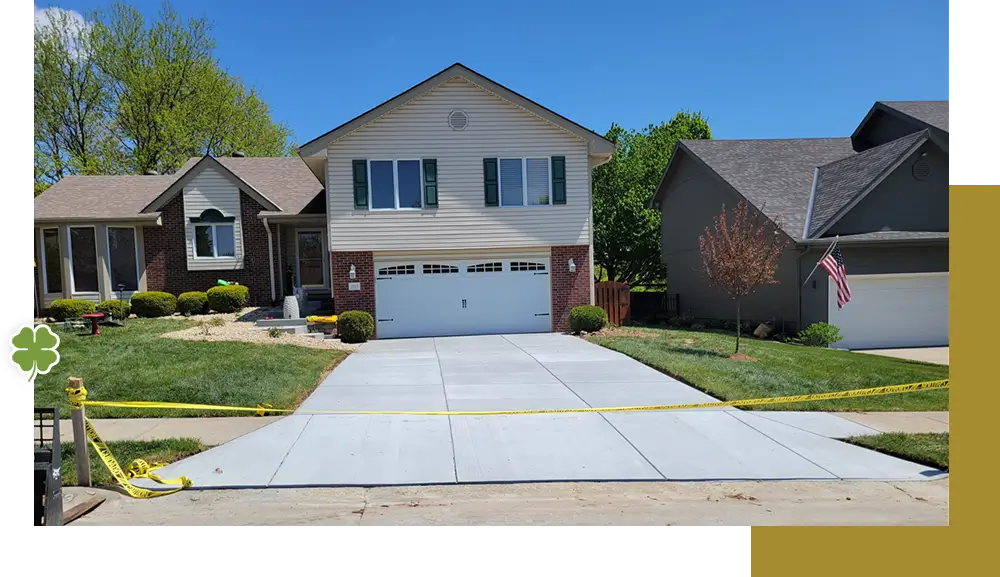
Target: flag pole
[829,249]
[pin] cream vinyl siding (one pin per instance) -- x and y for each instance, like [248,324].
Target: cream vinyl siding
[419,129]
[209,189]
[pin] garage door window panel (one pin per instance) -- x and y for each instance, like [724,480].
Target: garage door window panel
[485,267]
[440,269]
[518,266]
[397,270]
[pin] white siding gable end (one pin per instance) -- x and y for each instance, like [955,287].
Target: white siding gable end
[419,129]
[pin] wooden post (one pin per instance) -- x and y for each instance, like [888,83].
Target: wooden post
[80,439]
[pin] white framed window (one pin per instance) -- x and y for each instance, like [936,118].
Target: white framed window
[524,181]
[83,259]
[214,241]
[396,184]
[123,258]
[51,262]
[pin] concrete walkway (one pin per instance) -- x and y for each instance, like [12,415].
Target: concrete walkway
[536,371]
[936,355]
[214,431]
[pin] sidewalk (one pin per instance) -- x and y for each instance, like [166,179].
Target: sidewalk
[218,430]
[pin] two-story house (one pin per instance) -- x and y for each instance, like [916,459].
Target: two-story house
[458,207]
[882,193]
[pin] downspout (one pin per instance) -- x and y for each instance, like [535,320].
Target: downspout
[270,257]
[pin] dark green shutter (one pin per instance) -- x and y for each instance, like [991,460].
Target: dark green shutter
[430,183]
[360,184]
[491,182]
[558,180]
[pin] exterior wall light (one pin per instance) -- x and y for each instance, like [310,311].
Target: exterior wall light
[354,273]
[572,266]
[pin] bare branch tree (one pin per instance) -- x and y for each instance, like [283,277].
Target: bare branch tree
[740,254]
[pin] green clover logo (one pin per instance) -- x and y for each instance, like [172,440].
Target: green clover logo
[35,350]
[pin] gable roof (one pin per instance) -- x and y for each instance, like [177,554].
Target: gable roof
[919,113]
[100,197]
[840,184]
[284,185]
[598,144]
[774,175]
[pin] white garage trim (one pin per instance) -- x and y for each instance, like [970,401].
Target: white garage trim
[892,311]
[430,294]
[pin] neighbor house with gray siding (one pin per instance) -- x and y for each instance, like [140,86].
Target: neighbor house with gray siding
[883,192]
[457,207]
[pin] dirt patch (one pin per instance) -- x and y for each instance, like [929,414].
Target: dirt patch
[624,332]
[742,357]
[234,330]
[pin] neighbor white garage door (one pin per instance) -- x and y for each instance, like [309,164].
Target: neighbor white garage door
[892,311]
[472,296]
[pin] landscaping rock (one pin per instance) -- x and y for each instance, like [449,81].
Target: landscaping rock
[763,331]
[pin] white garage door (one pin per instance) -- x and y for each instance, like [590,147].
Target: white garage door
[890,311]
[424,298]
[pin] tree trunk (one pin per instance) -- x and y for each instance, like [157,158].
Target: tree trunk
[738,325]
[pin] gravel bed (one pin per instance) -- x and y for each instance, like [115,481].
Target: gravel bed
[247,332]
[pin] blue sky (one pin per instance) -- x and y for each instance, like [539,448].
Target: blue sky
[765,69]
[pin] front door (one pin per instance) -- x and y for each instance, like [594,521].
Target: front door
[310,256]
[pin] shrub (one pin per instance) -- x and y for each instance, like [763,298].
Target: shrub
[192,303]
[682,321]
[228,299]
[820,335]
[274,332]
[355,326]
[153,304]
[62,309]
[114,308]
[587,318]
[697,326]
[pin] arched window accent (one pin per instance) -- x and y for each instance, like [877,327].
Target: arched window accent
[212,215]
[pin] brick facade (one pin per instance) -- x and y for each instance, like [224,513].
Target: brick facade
[166,254]
[569,289]
[340,271]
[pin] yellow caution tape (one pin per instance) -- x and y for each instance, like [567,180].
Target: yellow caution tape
[138,469]
[265,408]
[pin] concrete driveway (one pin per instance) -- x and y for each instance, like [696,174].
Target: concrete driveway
[536,371]
[936,355]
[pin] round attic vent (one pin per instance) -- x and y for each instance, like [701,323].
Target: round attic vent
[921,170]
[458,120]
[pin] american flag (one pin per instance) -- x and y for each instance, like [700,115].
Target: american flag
[834,264]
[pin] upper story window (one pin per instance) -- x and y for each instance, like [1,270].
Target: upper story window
[214,235]
[395,184]
[528,181]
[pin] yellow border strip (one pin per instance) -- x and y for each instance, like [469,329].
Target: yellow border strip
[262,409]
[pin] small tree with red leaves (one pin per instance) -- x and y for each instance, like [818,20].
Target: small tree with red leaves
[740,254]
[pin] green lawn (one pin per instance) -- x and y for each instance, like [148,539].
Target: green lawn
[929,449]
[701,359]
[133,363]
[156,451]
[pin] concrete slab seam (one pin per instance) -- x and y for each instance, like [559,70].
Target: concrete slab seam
[761,415]
[784,445]
[584,401]
[451,431]
[290,447]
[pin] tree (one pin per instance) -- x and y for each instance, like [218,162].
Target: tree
[627,235]
[115,95]
[741,254]
[71,130]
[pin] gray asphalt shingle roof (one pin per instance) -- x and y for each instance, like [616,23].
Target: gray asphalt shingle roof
[839,182]
[933,112]
[287,181]
[775,176]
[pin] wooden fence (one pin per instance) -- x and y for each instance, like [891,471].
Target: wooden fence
[614,298]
